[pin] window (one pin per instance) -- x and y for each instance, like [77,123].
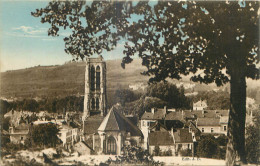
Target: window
[211,130]
[97,103]
[111,145]
[202,130]
[104,146]
[21,138]
[225,128]
[92,78]
[93,103]
[98,78]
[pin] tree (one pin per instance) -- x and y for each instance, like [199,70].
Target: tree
[216,41]
[134,155]
[45,135]
[173,96]
[252,141]
[221,99]
[207,147]
[124,95]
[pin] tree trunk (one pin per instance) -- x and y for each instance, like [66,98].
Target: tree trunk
[235,153]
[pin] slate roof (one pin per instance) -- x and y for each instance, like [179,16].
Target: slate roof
[92,123]
[223,119]
[157,115]
[115,121]
[193,127]
[208,122]
[83,144]
[173,116]
[160,138]
[222,112]
[183,136]
[147,116]
[23,126]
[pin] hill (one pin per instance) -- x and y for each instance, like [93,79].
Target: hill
[65,80]
[68,79]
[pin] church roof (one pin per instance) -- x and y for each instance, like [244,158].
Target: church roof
[92,123]
[115,121]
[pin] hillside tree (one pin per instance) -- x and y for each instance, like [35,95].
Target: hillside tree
[215,41]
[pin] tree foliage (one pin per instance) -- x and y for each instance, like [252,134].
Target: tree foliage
[211,147]
[69,103]
[159,95]
[134,155]
[215,100]
[45,135]
[173,96]
[252,141]
[123,96]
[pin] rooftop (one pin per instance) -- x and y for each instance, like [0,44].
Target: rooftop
[160,138]
[115,121]
[92,123]
[183,136]
[208,122]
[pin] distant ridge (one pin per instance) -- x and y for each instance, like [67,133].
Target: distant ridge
[68,80]
[65,80]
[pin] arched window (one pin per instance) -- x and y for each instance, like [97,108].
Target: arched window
[93,103]
[97,103]
[111,145]
[92,78]
[98,78]
[104,146]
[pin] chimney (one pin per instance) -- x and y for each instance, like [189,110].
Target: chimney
[165,109]
[152,110]
[11,130]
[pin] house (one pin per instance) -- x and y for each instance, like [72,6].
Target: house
[223,124]
[15,117]
[200,105]
[114,132]
[162,140]
[19,134]
[183,140]
[68,134]
[148,119]
[174,120]
[213,126]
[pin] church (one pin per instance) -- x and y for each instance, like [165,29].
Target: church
[106,131]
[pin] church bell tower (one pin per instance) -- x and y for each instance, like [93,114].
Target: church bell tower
[95,87]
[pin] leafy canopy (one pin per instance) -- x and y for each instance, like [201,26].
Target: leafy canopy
[204,38]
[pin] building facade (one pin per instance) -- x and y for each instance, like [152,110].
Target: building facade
[95,87]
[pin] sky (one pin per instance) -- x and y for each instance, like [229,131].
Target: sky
[24,41]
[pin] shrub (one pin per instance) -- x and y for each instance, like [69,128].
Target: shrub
[133,155]
[185,152]
[157,151]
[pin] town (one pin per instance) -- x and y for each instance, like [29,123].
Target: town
[99,130]
[130,82]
